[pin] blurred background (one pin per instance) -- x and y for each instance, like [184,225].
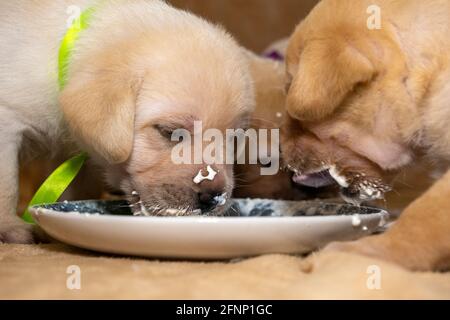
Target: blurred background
[255,23]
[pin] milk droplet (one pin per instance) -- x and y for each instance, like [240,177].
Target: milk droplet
[356,220]
[383,221]
[199,177]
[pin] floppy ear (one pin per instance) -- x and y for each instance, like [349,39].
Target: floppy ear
[327,71]
[99,109]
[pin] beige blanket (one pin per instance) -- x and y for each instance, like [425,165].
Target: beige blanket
[39,272]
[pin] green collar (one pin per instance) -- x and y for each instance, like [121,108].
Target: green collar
[54,186]
[68,43]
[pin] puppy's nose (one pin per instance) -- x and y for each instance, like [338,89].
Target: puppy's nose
[209,200]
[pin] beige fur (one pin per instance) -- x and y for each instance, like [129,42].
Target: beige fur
[140,68]
[370,101]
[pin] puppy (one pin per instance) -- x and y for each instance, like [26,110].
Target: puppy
[139,71]
[364,102]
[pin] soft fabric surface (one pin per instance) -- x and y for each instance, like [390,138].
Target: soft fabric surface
[39,272]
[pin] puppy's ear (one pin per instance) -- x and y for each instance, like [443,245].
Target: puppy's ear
[99,108]
[324,72]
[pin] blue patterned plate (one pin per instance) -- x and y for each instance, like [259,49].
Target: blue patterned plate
[250,227]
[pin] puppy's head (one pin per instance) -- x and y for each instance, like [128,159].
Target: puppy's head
[350,102]
[124,103]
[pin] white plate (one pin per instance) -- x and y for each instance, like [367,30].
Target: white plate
[265,226]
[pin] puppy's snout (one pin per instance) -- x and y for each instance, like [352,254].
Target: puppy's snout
[211,199]
[211,190]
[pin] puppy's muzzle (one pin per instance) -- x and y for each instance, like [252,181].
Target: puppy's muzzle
[210,200]
[211,189]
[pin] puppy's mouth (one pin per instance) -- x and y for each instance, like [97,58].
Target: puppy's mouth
[354,190]
[140,207]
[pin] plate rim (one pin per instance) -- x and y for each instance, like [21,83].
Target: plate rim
[38,209]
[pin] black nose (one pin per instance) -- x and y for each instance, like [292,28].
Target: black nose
[210,200]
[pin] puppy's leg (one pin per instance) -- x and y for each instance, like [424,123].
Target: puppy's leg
[12,229]
[420,239]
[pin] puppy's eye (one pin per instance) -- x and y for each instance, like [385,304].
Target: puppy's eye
[164,131]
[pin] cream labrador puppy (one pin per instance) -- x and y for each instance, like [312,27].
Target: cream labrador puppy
[139,71]
[370,93]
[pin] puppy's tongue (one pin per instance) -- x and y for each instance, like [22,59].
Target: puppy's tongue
[314,180]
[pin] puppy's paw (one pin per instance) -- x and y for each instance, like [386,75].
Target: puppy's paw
[16,232]
[382,247]
[374,247]
[361,247]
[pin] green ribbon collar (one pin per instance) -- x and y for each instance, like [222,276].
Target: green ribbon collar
[55,185]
